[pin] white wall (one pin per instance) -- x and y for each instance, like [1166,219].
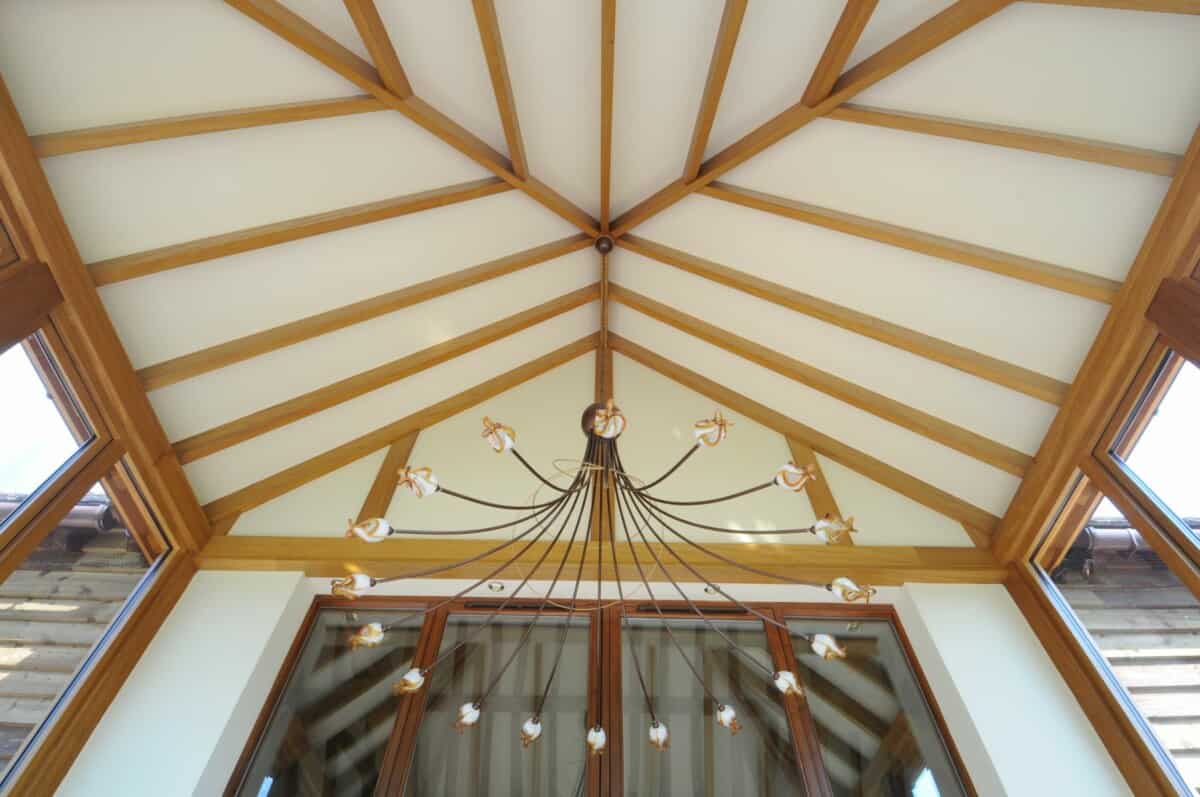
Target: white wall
[181,720]
[1018,727]
[179,723]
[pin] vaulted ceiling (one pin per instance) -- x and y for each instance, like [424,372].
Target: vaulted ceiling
[883,235]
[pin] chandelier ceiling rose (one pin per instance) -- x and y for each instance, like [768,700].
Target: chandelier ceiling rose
[600,500]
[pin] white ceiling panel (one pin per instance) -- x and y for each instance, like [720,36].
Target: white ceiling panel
[890,20]
[1125,77]
[1079,215]
[131,60]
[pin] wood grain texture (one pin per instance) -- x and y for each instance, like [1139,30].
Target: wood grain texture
[48,145]
[297,31]
[880,472]
[608,42]
[1067,280]
[28,293]
[375,36]
[493,52]
[820,494]
[379,497]
[336,556]
[1170,249]
[189,365]
[153,261]
[257,423]
[28,203]
[714,84]
[1056,144]
[289,479]
[846,33]
[922,423]
[1175,310]
[935,31]
[994,370]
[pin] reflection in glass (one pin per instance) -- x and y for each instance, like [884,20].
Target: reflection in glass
[488,759]
[55,607]
[1163,456]
[35,437]
[1146,624]
[877,734]
[328,733]
[704,758]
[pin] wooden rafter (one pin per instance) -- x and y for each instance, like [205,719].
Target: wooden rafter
[48,145]
[28,293]
[379,497]
[328,556]
[153,261]
[608,42]
[922,423]
[1170,249]
[493,51]
[289,479]
[223,354]
[1079,283]
[925,37]
[300,33]
[886,475]
[1062,146]
[265,420]
[820,495]
[718,70]
[604,375]
[846,33]
[375,36]
[992,369]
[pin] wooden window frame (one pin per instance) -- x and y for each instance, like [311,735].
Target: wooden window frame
[605,774]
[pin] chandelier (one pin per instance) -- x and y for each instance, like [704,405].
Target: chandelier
[610,498]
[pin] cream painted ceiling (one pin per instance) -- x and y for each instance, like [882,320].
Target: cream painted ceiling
[1123,77]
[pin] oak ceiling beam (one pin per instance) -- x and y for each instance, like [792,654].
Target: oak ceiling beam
[929,426]
[153,261]
[327,557]
[265,420]
[383,489]
[608,43]
[925,37]
[1164,6]
[893,478]
[303,35]
[28,293]
[1002,373]
[49,145]
[1048,275]
[846,33]
[493,51]
[375,36]
[221,355]
[1171,248]
[714,84]
[604,373]
[1056,144]
[289,479]
[820,495]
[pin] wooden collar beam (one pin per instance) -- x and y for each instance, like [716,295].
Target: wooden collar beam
[303,35]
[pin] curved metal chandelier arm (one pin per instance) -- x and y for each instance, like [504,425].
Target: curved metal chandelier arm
[504,604]
[495,505]
[536,473]
[705,502]
[460,532]
[631,507]
[722,530]
[672,469]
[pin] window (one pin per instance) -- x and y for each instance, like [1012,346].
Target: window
[333,724]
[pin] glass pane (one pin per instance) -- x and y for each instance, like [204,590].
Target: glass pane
[1164,456]
[877,733]
[328,733]
[36,437]
[704,758]
[489,759]
[1146,624]
[55,607]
